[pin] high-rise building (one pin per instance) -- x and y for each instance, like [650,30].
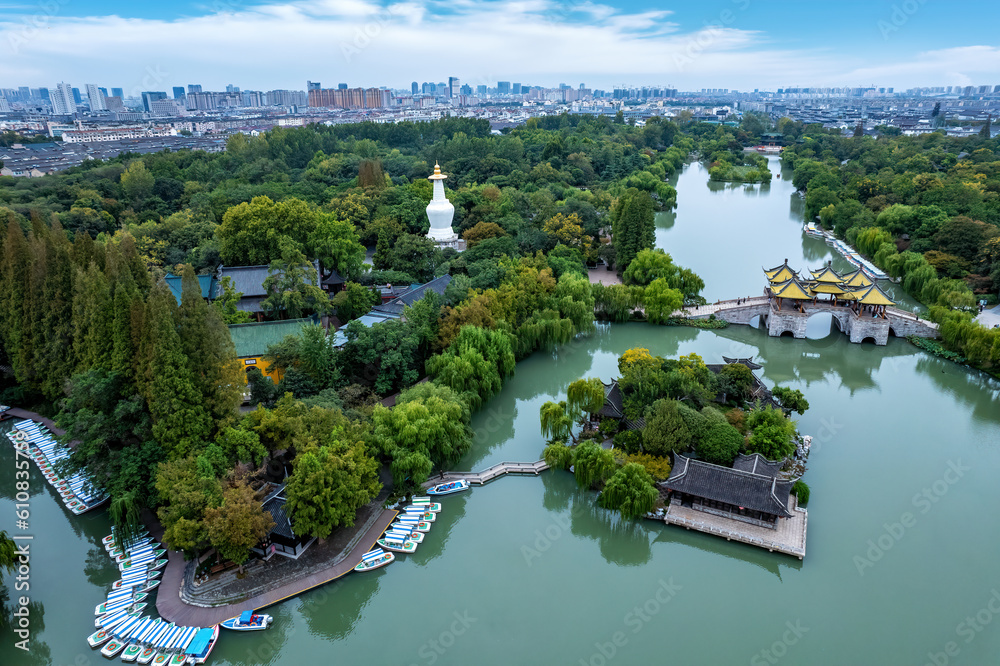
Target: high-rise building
[454,86]
[428,88]
[230,88]
[62,101]
[516,88]
[313,85]
[414,88]
[149,97]
[4,106]
[77,97]
[466,89]
[341,86]
[43,93]
[179,92]
[481,90]
[114,104]
[193,88]
[24,93]
[96,98]
[118,92]
[503,87]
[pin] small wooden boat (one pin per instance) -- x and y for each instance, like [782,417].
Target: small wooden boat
[375,559]
[247,621]
[99,637]
[201,646]
[113,647]
[449,488]
[397,544]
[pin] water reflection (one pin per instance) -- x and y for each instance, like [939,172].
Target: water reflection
[38,651]
[333,610]
[436,541]
[100,568]
[670,534]
[621,542]
[974,389]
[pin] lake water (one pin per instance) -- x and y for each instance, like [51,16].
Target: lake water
[903,531]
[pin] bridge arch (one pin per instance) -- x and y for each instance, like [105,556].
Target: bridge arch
[869,339]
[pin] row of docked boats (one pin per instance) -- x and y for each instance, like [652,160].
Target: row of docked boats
[76,491]
[121,627]
[403,535]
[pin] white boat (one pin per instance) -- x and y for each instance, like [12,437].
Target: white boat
[113,647]
[375,559]
[427,504]
[247,621]
[99,637]
[397,544]
[429,516]
[410,533]
[449,488]
[416,524]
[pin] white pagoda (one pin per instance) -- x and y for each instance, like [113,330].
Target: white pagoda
[440,212]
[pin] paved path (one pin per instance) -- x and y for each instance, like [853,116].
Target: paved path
[788,538]
[603,276]
[989,318]
[19,413]
[171,608]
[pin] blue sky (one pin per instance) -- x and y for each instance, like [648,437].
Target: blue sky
[737,44]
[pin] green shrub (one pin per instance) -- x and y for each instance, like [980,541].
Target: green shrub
[801,490]
[629,441]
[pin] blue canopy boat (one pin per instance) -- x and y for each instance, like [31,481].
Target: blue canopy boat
[449,488]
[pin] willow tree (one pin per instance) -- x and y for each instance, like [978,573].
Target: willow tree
[629,491]
[556,421]
[585,396]
[592,465]
[475,364]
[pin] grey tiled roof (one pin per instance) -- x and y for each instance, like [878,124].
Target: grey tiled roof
[408,298]
[755,463]
[732,486]
[282,525]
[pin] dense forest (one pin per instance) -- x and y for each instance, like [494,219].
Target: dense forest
[147,383]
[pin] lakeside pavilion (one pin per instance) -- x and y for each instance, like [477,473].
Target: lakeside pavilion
[825,286]
[750,491]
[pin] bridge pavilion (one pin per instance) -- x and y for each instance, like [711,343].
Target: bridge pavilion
[855,290]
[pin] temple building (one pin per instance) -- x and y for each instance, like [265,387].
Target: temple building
[440,213]
[749,492]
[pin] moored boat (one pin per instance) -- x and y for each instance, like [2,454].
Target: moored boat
[427,504]
[99,637]
[397,544]
[152,564]
[374,559]
[247,621]
[113,647]
[429,516]
[202,645]
[131,652]
[416,524]
[411,534]
[146,655]
[449,488]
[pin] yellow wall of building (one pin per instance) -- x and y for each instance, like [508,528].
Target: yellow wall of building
[261,364]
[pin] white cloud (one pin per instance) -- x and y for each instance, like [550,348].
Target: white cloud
[279,45]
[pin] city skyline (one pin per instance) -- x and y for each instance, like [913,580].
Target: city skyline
[735,44]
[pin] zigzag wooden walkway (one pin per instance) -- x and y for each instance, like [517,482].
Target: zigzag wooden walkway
[487,475]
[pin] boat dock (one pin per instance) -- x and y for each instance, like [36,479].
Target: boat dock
[487,475]
[789,537]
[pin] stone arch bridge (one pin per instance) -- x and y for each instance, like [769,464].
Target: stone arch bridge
[793,319]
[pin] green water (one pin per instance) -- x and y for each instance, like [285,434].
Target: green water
[528,570]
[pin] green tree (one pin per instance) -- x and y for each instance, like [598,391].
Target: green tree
[239,524]
[475,364]
[335,243]
[416,255]
[556,421]
[328,485]
[253,233]
[633,227]
[791,400]
[771,433]
[720,444]
[227,300]
[428,426]
[585,396]
[353,301]
[665,430]
[185,495]
[736,380]
[137,182]
[181,423]
[292,286]
[592,465]
[660,301]
[629,491]
[385,356]
[211,356]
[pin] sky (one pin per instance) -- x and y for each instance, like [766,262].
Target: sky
[734,44]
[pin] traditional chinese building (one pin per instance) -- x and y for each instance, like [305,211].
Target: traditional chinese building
[750,491]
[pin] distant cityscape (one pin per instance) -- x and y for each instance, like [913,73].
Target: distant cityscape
[97,122]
